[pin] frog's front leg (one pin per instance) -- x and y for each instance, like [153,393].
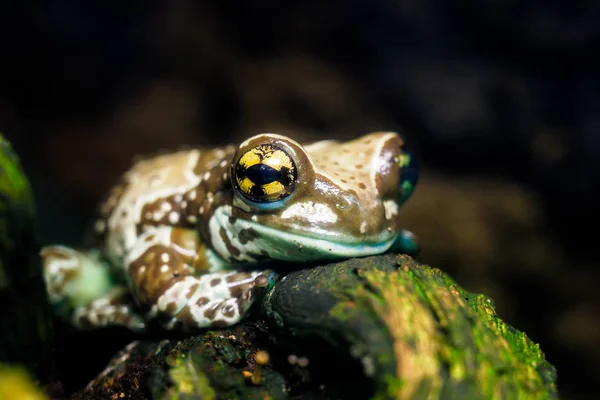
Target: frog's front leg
[81,289]
[173,280]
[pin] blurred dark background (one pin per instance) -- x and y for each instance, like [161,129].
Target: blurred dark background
[500,100]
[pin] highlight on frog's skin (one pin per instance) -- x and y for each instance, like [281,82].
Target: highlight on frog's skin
[265,173]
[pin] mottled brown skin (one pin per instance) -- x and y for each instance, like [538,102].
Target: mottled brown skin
[175,228]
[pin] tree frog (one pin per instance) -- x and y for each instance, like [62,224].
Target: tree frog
[183,237]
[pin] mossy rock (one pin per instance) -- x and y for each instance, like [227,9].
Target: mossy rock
[381,327]
[26,336]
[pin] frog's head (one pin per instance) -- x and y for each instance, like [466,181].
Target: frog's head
[321,201]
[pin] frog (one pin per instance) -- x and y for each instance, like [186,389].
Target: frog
[188,239]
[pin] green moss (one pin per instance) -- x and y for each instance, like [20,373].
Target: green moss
[187,381]
[22,288]
[442,341]
[16,383]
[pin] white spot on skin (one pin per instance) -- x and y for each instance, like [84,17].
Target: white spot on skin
[164,268]
[157,216]
[178,198]
[192,219]
[173,174]
[225,176]
[201,210]
[311,212]
[166,207]
[206,175]
[173,217]
[391,209]
[223,163]
[100,226]
[164,257]
[363,227]
[142,269]
[191,195]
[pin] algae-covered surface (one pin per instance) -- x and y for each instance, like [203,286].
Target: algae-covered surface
[214,365]
[416,332]
[16,383]
[26,334]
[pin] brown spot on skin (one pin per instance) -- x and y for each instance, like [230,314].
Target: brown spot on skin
[212,311]
[220,323]
[240,290]
[244,299]
[228,310]
[234,251]
[186,318]
[215,282]
[358,166]
[262,256]
[150,285]
[247,235]
[171,308]
[232,220]
[191,290]
[202,301]
[344,181]
[361,185]
[149,238]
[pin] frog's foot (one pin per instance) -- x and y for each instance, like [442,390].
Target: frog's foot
[116,308]
[213,300]
[73,278]
[406,243]
[173,280]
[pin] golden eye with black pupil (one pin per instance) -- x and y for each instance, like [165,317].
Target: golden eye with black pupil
[265,174]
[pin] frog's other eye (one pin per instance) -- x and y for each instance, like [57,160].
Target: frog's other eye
[265,174]
[409,175]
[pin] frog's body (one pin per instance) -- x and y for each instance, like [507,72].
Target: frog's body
[179,227]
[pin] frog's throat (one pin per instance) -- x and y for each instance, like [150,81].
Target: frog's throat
[248,241]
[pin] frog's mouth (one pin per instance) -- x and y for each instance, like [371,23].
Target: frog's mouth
[250,241]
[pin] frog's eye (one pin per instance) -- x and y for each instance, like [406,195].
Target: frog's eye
[409,175]
[265,174]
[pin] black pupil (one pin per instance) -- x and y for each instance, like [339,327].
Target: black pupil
[262,174]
